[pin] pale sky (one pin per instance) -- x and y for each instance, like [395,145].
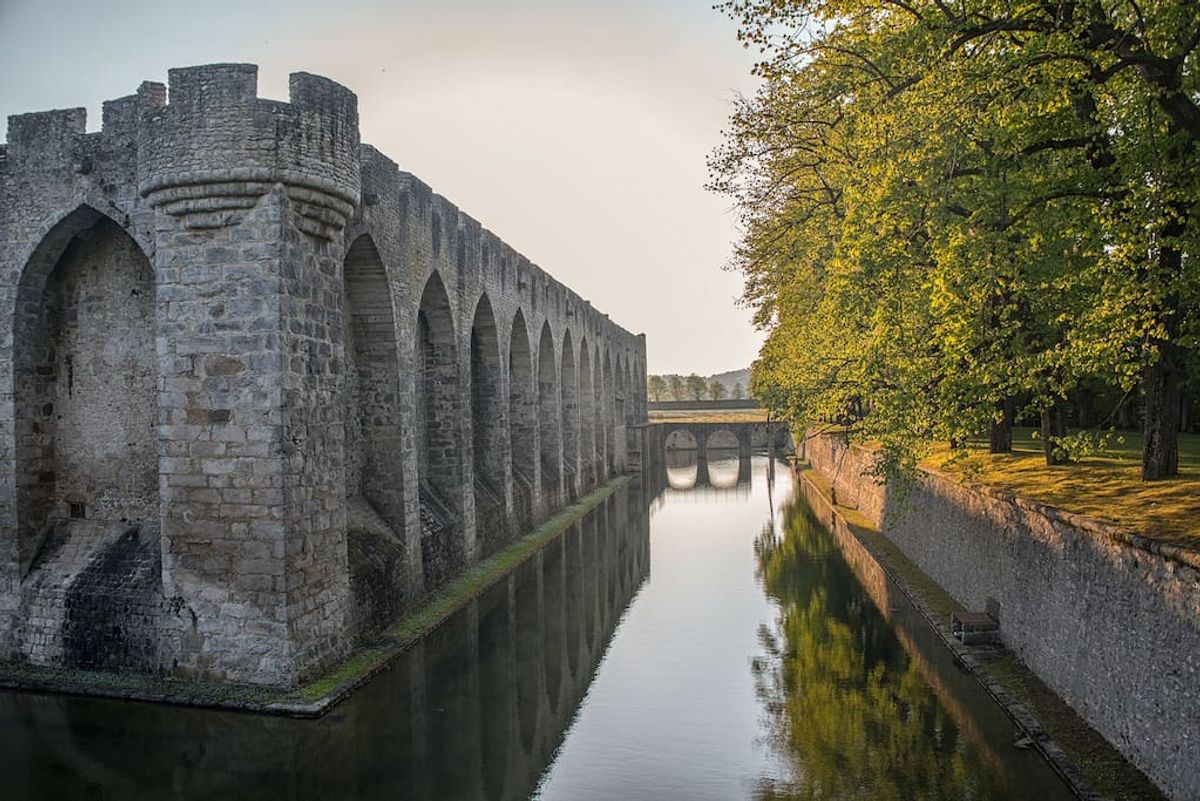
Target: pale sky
[577,131]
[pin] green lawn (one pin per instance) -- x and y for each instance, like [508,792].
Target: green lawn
[1107,485]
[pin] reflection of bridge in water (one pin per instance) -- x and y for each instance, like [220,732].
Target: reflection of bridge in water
[475,711]
[706,459]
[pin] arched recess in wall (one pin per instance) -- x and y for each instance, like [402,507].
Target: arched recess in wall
[639,390]
[549,419]
[489,427]
[570,417]
[620,433]
[522,421]
[610,421]
[373,447]
[587,420]
[84,381]
[598,414]
[439,445]
[632,401]
[630,406]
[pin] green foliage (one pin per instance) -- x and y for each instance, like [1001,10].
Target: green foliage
[695,387]
[948,206]
[716,390]
[676,384]
[656,386]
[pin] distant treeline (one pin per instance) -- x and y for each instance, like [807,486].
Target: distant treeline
[694,387]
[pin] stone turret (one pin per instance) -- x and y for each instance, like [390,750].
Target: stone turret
[215,148]
[253,197]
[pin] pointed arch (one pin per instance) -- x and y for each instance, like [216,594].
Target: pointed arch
[489,431]
[438,404]
[631,405]
[373,447]
[569,377]
[85,378]
[610,421]
[587,419]
[599,452]
[522,422]
[549,422]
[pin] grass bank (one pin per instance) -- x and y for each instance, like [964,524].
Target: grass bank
[1106,486]
[709,416]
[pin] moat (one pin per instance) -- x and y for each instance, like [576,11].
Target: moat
[688,639]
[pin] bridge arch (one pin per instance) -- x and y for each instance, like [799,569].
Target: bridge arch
[570,417]
[522,422]
[722,439]
[85,379]
[549,422]
[373,449]
[439,452]
[489,431]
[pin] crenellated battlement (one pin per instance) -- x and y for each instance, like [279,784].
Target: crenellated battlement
[215,147]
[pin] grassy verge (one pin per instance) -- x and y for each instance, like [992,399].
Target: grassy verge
[1106,485]
[706,416]
[1104,769]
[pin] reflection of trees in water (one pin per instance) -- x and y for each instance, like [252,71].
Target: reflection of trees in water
[846,708]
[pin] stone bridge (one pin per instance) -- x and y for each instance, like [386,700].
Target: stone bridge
[262,389]
[700,442]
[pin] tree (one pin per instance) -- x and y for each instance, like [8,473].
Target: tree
[695,387]
[739,392]
[951,206]
[676,384]
[656,385]
[716,390]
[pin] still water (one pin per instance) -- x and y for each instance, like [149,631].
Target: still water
[695,637]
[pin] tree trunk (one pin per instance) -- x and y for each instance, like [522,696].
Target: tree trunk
[1085,402]
[1163,384]
[1054,425]
[1162,381]
[1000,434]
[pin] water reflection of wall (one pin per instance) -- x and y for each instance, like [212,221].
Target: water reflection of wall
[475,711]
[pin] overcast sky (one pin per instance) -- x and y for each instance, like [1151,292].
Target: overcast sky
[575,130]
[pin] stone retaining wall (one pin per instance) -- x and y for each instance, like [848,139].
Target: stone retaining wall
[1110,621]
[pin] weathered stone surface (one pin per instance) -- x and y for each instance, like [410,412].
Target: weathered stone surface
[1112,627]
[206,333]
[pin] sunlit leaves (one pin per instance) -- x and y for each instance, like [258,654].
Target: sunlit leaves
[949,205]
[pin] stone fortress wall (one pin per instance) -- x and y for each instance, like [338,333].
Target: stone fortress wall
[260,390]
[1109,621]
